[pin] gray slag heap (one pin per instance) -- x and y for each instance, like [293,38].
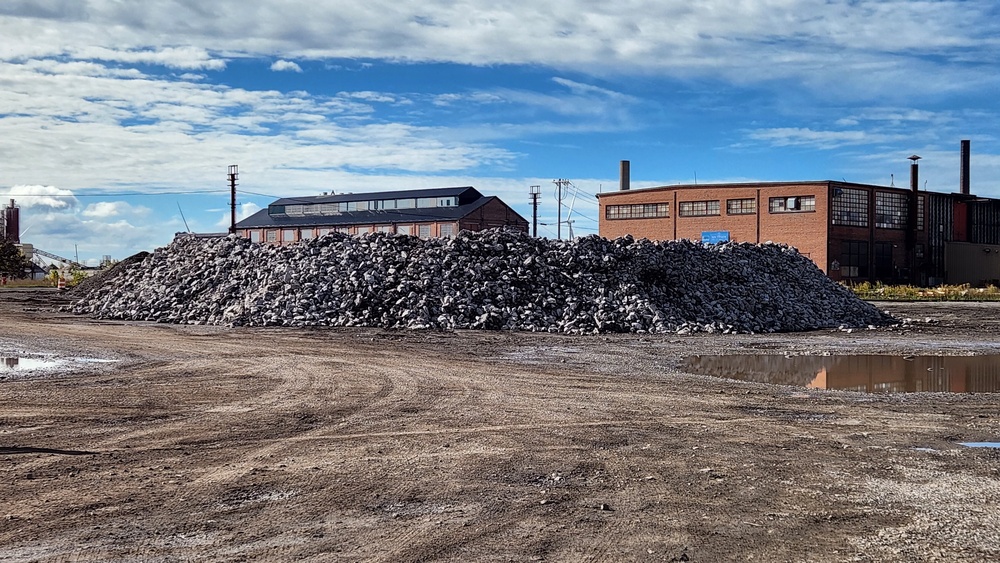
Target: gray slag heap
[486,280]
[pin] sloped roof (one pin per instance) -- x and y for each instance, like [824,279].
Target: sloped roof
[462,192]
[262,219]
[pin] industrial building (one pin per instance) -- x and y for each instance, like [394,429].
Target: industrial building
[10,228]
[426,213]
[853,232]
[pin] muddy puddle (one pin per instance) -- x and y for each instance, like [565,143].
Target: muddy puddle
[864,373]
[17,366]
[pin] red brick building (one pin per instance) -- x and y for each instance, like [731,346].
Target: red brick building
[853,232]
[437,212]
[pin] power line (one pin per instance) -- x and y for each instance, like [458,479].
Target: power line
[119,194]
[585,216]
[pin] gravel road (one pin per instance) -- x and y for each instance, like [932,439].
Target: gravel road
[284,444]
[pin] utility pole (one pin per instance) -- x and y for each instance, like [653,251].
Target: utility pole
[534,191]
[559,184]
[234,174]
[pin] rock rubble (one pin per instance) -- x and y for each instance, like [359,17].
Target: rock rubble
[497,280]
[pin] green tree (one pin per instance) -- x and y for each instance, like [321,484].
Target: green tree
[12,262]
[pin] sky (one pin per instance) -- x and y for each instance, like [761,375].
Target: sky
[119,118]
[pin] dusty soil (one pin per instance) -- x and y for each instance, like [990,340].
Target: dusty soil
[206,443]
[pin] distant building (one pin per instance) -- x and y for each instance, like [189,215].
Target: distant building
[853,232]
[426,213]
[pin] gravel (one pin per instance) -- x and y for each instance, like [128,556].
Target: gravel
[496,280]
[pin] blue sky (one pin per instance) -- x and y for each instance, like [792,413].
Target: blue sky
[116,115]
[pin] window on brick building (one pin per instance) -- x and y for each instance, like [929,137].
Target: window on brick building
[447,230]
[424,231]
[793,204]
[920,212]
[307,234]
[288,235]
[698,208]
[404,229]
[383,229]
[637,211]
[272,235]
[254,235]
[849,207]
[743,206]
[854,259]
[891,210]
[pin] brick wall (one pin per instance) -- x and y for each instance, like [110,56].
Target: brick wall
[805,230]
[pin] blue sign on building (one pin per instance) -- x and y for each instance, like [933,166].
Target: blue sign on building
[714,237]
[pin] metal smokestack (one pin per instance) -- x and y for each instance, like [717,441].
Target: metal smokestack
[963,177]
[624,176]
[911,227]
[914,173]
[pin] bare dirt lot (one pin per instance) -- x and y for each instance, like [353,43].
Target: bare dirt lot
[208,443]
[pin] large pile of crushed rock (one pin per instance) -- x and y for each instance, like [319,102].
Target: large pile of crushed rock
[487,280]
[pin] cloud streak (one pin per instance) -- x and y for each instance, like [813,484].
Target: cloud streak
[815,42]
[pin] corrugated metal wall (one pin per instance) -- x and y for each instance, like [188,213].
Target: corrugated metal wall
[940,226]
[984,222]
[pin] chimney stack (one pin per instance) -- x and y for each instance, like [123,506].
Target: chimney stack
[963,177]
[11,222]
[624,176]
[914,173]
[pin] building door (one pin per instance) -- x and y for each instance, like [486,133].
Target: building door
[884,270]
[854,260]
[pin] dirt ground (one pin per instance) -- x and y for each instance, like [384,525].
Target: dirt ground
[208,443]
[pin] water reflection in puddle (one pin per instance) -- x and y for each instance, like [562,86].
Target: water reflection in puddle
[868,374]
[980,444]
[25,364]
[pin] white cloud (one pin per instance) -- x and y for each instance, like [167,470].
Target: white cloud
[39,197]
[107,209]
[804,136]
[285,66]
[183,58]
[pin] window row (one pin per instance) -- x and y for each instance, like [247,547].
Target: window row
[793,204]
[698,208]
[849,207]
[336,208]
[288,236]
[637,211]
[891,210]
[744,206]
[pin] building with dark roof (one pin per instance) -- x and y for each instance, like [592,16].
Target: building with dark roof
[427,213]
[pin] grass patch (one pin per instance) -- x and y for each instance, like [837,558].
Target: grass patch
[881,292]
[21,284]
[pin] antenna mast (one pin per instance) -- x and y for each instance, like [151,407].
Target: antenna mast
[234,174]
[534,191]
